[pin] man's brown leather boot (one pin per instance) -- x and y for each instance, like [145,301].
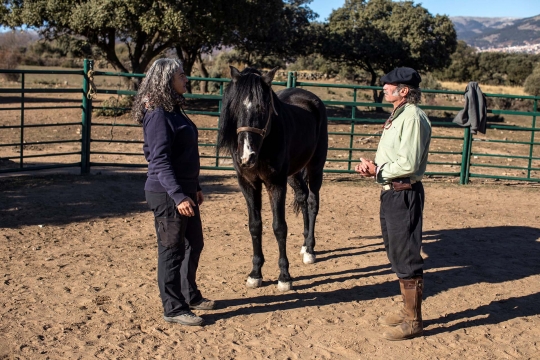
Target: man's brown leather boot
[395,319]
[411,325]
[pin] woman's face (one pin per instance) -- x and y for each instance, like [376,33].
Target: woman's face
[179,81]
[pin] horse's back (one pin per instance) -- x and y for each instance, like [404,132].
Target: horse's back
[306,120]
[304,106]
[301,98]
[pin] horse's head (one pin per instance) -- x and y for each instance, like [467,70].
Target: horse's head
[248,106]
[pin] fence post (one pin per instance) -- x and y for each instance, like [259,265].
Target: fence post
[351,142]
[219,122]
[531,150]
[291,79]
[86,118]
[21,159]
[465,157]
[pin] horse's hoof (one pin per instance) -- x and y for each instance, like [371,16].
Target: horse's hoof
[253,283]
[303,250]
[284,286]
[309,258]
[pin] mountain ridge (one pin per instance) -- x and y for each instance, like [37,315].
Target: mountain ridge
[497,32]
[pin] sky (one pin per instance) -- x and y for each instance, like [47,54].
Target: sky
[483,8]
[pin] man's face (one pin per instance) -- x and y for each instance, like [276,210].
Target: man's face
[390,93]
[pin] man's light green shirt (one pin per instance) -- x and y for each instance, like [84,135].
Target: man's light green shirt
[403,148]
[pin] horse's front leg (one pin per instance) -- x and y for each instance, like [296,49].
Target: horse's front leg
[277,195]
[252,194]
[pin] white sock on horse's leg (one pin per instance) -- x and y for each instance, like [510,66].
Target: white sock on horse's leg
[309,258]
[253,283]
[284,285]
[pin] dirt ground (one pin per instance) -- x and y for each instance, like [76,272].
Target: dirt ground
[78,268]
[78,255]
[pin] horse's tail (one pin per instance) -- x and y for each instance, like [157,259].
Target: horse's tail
[300,201]
[297,206]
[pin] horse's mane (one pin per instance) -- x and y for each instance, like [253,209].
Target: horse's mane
[249,84]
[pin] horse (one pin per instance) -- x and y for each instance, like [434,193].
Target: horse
[275,139]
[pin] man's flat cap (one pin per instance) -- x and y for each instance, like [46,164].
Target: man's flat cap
[402,75]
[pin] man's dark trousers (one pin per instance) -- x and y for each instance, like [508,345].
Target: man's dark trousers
[401,225]
[180,243]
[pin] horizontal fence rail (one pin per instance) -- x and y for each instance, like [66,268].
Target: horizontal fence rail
[507,151]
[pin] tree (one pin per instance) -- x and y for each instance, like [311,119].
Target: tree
[379,35]
[149,28]
[464,62]
[286,34]
[532,83]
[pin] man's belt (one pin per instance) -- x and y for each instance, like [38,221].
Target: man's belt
[399,184]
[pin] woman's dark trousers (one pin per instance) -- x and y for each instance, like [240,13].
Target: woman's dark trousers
[180,243]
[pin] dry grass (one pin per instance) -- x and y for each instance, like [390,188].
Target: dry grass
[110,82]
[489,89]
[61,80]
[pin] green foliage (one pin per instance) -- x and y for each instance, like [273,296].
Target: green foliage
[492,68]
[259,29]
[379,35]
[114,106]
[315,62]
[532,83]
[464,61]
[147,28]
[430,82]
[274,30]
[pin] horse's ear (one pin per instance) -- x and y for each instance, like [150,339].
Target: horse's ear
[235,74]
[269,76]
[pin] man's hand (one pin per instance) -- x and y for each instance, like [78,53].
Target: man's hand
[366,168]
[186,207]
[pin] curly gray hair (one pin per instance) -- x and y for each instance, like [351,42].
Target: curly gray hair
[413,97]
[156,89]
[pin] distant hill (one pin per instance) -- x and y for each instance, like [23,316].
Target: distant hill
[497,32]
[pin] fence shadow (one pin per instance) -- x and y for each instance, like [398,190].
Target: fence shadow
[37,99]
[486,254]
[495,312]
[464,256]
[63,199]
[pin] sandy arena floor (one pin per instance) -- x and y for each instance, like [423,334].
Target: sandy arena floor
[78,268]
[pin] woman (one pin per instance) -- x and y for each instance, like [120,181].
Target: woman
[172,188]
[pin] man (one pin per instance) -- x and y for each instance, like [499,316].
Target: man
[399,166]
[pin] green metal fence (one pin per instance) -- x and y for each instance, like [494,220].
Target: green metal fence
[508,150]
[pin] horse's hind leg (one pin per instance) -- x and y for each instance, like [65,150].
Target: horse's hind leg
[252,194]
[277,199]
[315,182]
[301,193]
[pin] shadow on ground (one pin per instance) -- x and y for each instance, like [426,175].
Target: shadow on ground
[64,199]
[464,256]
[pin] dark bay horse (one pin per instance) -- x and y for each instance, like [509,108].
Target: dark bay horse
[275,139]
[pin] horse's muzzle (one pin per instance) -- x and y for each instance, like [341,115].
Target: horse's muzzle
[249,163]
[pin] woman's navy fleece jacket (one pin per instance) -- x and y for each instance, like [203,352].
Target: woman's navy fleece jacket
[171,149]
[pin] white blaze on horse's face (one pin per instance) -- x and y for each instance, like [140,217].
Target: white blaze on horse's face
[246,157]
[247,104]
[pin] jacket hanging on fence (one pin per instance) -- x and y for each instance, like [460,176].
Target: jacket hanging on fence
[474,114]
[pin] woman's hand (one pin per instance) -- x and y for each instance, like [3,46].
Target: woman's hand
[200,197]
[186,207]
